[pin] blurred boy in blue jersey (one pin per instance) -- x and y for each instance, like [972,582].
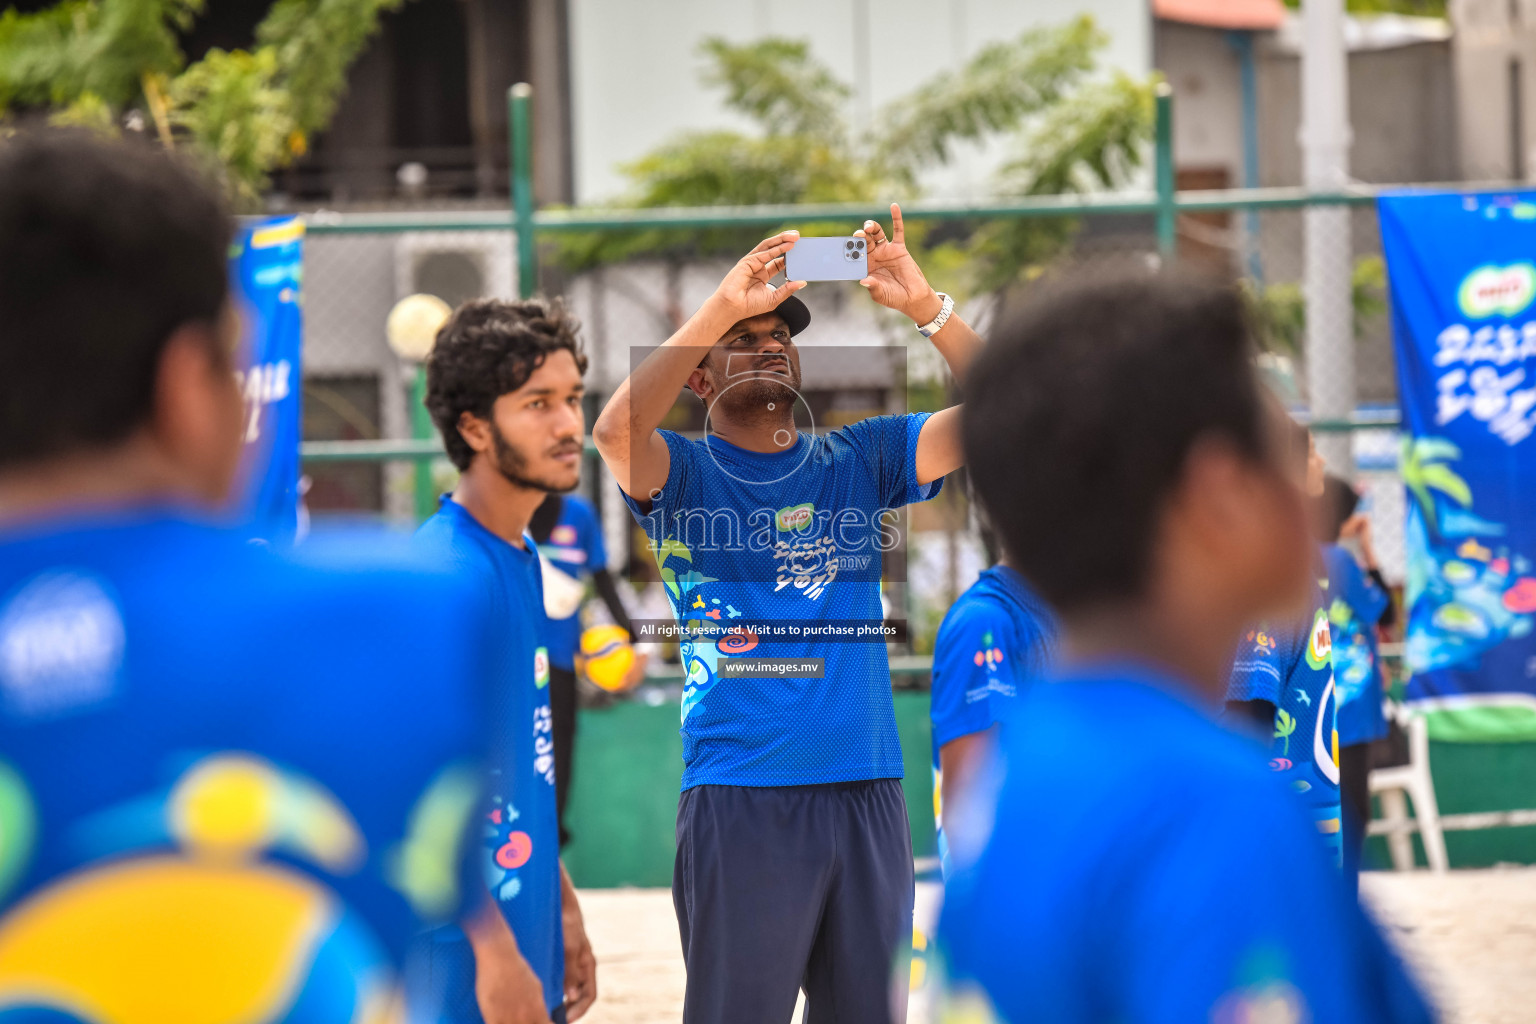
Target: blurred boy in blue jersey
[234,782]
[794,862]
[504,388]
[571,552]
[994,640]
[1126,858]
[1360,603]
[1282,680]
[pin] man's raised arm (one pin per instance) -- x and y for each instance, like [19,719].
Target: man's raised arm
[895,281]
[625,431]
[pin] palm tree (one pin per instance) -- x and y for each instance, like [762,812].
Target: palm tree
[1285,725]
[1425,472]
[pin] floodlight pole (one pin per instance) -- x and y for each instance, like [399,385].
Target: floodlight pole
[1325,140]
[520,141]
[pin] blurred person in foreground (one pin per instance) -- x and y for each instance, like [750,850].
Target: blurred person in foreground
[1361,602]
[794,853]
[569,537]
[1281,685]
[234,782]
[504,386]
[1125,857]
[995,640]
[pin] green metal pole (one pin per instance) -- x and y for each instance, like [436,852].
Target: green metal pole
[1167,210]
[422,430]
[520,113]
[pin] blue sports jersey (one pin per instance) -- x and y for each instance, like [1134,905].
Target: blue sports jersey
[234,782]
[995,639]
[1109,890]
[572,554]
[1291,667]
[520,852]
[1358,604]
[783,542]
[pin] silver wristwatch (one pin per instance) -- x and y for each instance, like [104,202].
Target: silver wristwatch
[928,330]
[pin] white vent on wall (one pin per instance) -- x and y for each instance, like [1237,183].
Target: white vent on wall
[454,265]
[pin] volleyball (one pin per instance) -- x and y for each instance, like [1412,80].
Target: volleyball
[607,657]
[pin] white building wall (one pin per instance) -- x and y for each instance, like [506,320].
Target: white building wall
[635,64]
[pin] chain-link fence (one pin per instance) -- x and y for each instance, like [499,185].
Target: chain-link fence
[358,393]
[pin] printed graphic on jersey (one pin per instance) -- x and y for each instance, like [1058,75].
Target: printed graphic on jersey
[139,937]
[1320,642]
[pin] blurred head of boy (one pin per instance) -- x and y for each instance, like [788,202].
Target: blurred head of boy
[116,333]
[504,387]
[1137,473]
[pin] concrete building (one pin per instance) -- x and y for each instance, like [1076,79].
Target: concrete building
[635,66]
[1494,61]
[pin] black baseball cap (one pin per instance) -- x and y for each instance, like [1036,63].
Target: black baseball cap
[796,314]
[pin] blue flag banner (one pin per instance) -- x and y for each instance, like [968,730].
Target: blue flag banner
[1463,286]
[266,265]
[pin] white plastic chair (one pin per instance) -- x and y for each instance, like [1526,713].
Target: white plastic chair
[1413,780]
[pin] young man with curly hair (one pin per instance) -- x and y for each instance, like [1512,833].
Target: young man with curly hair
[504,387]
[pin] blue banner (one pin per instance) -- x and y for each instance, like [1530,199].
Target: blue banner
[1463,283]
[266,264]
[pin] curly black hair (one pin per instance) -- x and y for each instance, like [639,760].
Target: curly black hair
[106,249]
[489,348]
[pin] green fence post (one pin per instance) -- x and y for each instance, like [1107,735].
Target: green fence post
[422,429]
[520,115]
[1167,212]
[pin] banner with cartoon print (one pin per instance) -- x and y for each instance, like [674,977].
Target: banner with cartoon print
[1463,285]
[266,268]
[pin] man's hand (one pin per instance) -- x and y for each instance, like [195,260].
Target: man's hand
[746,291]
[507,989]
[580,963]
[894,279]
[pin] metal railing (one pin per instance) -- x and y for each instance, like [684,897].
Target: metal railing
[1164,204]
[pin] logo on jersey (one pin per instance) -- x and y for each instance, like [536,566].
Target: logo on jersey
[795,518]
[61,645]
[563,535]
[541,667]
[990,654]
[1320,642]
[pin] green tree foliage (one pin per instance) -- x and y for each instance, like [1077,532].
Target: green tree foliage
[1422,8]
[1280,310]
[1074,130]
[101,63]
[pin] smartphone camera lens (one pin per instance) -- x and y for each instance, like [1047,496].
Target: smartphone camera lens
[852,243]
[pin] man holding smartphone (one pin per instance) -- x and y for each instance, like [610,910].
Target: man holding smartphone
[794,865]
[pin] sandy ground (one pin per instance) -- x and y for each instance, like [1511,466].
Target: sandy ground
[1470,934]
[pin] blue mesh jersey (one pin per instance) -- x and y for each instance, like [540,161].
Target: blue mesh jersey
[520,850]
[1291,666]
[1107,889]
[995,639]
[789,541]
[1358,604]
[234,782]
[573,553]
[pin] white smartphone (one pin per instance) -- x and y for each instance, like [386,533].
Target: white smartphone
[827,259]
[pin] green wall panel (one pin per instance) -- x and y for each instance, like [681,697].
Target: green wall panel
[629,767]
